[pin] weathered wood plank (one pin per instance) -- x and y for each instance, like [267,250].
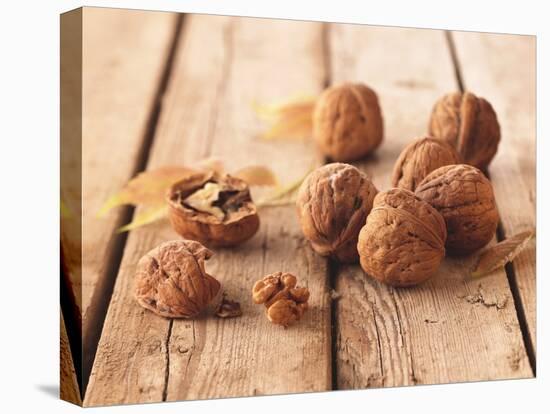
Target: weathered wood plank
[68,385]
[445,330]
[502,68]
[123,54]
[224,64]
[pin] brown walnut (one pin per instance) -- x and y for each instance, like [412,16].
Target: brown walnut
[216,210]
[465,199]
[468,123]
[403,241]
[347,122]
[171,280]
[284,301]
[420,158]
[333,203]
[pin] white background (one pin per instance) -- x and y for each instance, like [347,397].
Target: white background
[29,210]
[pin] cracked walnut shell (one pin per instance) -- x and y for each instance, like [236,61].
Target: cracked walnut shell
[214,209]
[420,158]
[464,197]
[333,203]
[347,122]
[284,301]
[470,124]
[171,280]
[403,241]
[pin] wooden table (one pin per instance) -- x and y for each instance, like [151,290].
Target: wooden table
[166,89]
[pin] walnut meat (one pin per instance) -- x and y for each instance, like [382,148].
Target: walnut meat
[465,199]
[403,241]
[213,209]
[420,158]
[171,280]
[470,124]
[347,122]
[284,301]
[333,203]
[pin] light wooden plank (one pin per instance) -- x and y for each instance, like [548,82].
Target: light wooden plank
[68,385]
[222,66]
[445,330]
[502,68]
[124,53]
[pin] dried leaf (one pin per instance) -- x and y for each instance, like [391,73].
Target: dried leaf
[498,255]
[256,175]
[147,216]
[148,188]
[282,195]
[289,120]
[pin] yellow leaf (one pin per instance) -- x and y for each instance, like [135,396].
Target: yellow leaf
[148,188]
[256,175]
[289,120]
[282,194]
[211,164]
[147,216]
[498,255]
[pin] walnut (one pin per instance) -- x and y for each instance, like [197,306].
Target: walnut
[213,209]
[347,122]
[464,197]
[171,280]
[403,241]
[333,203]
[469,124]
[284,301]
[420,158]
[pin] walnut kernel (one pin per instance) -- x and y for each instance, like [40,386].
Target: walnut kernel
[214,209]
[284,301]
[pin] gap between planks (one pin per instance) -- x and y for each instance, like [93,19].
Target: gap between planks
[97,320]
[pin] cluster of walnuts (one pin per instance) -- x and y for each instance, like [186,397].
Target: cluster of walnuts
[440,202]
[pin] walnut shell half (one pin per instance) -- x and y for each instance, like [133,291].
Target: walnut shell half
[347,122]
[465,199]
[333,203]
[216,210]
[403,241]
[420,158]
[468,123]
[171,280]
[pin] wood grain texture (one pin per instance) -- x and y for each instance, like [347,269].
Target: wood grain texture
[502,68]
[222,66]
[446,330]
[124,54]
[68,385]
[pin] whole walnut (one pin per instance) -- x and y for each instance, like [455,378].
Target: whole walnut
[347,122]
[403,241]
[284,301]
[465,199]
[215,209]
[420,158]
[171,280]
[333,203]
[468,123]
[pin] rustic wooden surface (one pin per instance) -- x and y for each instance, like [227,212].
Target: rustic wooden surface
[508,77]
[68,385]
[442,331]
[446,330]
[124,54]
